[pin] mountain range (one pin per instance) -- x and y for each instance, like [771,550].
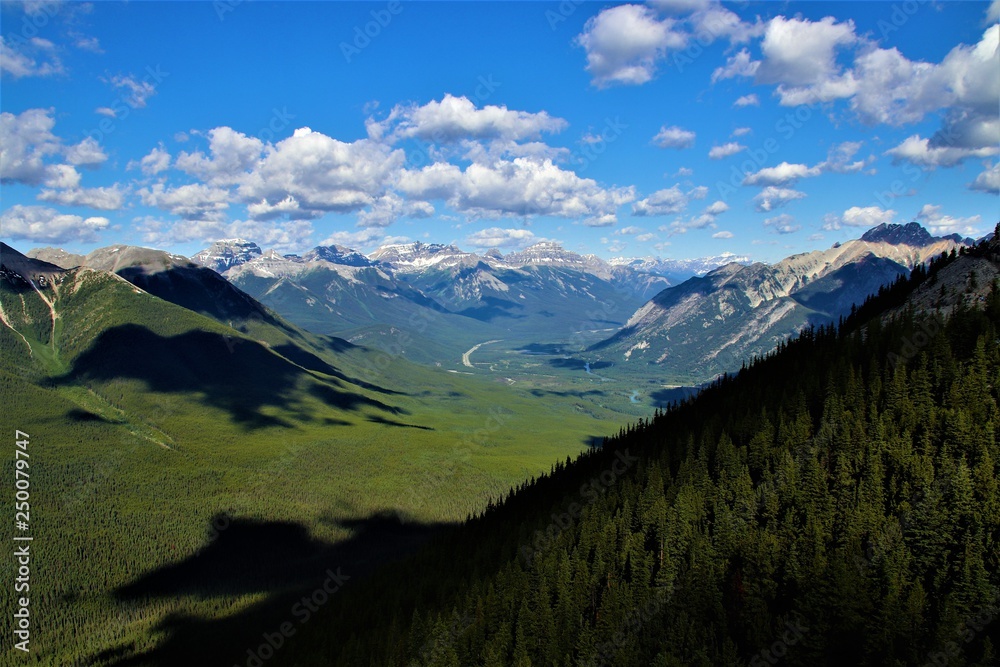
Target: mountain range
[712,324]
[442,300]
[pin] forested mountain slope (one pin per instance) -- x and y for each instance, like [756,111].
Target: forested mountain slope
[834,503]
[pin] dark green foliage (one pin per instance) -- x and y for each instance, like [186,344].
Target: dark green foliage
[834,503]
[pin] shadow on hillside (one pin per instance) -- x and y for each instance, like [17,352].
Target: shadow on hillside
[664,397]
[278,559]
[579,364]
[237,375]
[378,419]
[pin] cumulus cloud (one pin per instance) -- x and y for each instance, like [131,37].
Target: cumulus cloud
[623,44]
[750,100]
[920,151]
[857,216]
[496,237]
[737,65]
[722,235]
[523,186]
[662,202]
[674,137]
[26,140]
[782,224]
[940,224]
[717,208]
[782,174]
[308,173]
[741,131]
[989,179]
[38,223]
[800,56]
[87,153]
[773,197]
[389,208]
[104,199]
[232,155]
[154,162]
[726,150]
[630,230]
[20,57]
[134,92]
[195,201]
[456,118]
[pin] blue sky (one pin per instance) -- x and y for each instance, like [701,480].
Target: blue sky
[679,128]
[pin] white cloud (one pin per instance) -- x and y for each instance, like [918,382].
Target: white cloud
[989,179]
[194,201]
[62,176]
[782,224]
[722,235]
[133,91]
[674,137]
[38,223]
[839,160]
[800,56]
[857,216]
[750,100]
[717,208]
[782,174]
[894,90]
[725,150]
[631,230]
[741,131]
[773,197]
[523,186]
[623,44]
[87,153]
[106,111]
[993,12]
[316,172]
[920,151]
[457,118]
[233,156]
[645,238]
[20,57]
[496,237]
[662,202]
[737,65]
[25,141]
[86,43]
[939,224]
[104,199]
[698,192]
[389,208]
[156,161]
